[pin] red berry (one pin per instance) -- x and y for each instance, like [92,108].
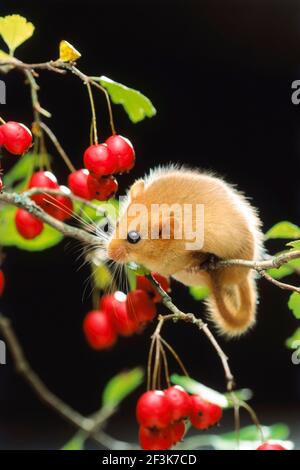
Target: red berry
[180,402]
[102,188]
[1,136]
[204,414]
[17,137]
[144,284]
[140,307]
[122,148]
[2,282]
[43,179]
[155,439]
[99,330]
[178,431]
[77,182]
[153,410]
[116,307]
[60,207]
[27,225]
[99,160]
[269,446]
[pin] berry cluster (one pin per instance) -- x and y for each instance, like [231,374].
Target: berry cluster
[15,137]
[161,415]
[102,161]
[95,181]
[121,314]
[60,206]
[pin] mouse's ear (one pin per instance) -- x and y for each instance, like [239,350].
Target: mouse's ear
[137,189]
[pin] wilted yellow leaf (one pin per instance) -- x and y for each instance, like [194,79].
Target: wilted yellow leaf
[15,30]
[68,53]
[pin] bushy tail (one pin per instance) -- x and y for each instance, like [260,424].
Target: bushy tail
[232,303]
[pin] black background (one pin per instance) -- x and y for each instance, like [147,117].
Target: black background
[220,75]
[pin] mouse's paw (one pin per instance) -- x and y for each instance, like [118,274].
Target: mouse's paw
[210,263]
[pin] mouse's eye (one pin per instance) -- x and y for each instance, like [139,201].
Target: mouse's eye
[133,236]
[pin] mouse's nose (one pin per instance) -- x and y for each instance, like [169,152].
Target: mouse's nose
[116,251]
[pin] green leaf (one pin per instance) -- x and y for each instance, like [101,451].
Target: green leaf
[22,171]
[120,386]
[76,443]
[249,438]
[199,292]
[295,244]
[101,276]
[294,304]
[208,394]
[88,214]
[15,30]
[137,105]
[283,271]
[250,433]
[283,229]
[291,342]
[9,235]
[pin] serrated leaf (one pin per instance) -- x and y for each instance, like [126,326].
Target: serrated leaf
[295,244]
[15,30]
[294,304]
[67,52]
[120,386]
[9,235]
[76,443]
[199,292]
[283,229]
[293,341]
[137,105]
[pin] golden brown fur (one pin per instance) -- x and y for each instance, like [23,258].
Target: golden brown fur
[231,230]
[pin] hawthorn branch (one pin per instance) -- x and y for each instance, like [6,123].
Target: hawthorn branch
[57,192]
[24,202]
[90,426]
[61,67]
[178,315]
[58,146]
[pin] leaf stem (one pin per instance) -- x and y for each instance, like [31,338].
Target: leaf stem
[94,121]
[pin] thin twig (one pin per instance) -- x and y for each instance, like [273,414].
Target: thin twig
[58,146]
[59,66]
[89,426]
[281,285]
[94,119]
[175,355]
[190,318]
